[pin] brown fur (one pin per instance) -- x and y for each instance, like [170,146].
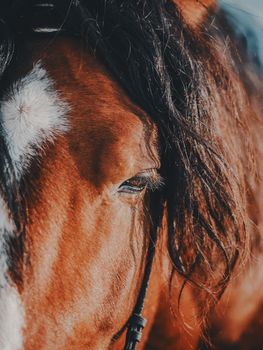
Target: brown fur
[195,11]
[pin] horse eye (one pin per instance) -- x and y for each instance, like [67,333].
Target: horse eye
[134,185]
[147,179]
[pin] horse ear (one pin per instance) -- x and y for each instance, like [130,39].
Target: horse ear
[195,11]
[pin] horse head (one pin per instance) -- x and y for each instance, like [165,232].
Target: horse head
[115,176]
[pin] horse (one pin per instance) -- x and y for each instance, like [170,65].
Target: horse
[130,180]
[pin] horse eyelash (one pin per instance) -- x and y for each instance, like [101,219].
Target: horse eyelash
[150,179]
[155,182]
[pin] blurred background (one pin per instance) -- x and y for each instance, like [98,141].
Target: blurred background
[247,19]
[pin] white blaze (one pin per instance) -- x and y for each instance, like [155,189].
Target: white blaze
[31,114]
[11,309]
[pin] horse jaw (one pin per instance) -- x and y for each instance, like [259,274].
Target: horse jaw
[11,308]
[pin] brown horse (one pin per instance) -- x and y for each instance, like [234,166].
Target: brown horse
[131,148]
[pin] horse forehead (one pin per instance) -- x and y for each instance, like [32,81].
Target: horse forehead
[32,113]
[101,115]
[93,94]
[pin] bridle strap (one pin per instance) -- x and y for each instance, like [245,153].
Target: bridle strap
[137,323]
[134,332]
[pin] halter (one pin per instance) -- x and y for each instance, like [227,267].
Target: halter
[46,16]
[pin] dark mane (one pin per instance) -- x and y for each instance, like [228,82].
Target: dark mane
[193,95]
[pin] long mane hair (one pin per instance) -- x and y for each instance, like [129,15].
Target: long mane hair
[187,83]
